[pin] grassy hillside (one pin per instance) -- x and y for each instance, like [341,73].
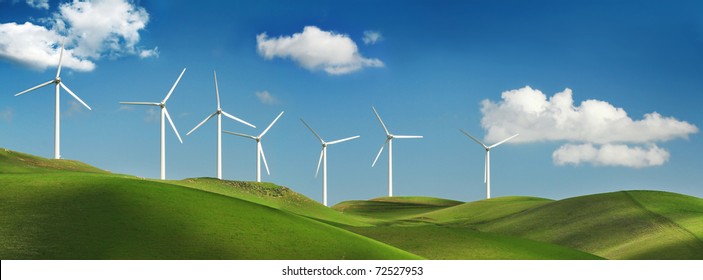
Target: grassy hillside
[94,216]
[62,209]
[483,210]
[393,208]
[621,225]
[444,243]
[273,196]
[16,162]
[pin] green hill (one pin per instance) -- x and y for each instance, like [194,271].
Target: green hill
[94,216]
[447,243]
[394,208]
[62,209]
[16,162]
[273,196]
[620,225]
[483,210]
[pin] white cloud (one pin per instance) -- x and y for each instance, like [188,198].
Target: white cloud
[600,130]
[103,26]
[266,97]
[73,108]
[37,47]
[528,111]
[6,114]
[315,49]
[39,4]
[91,30]
[152,115]
[149,53]
[371,37]
[611,155]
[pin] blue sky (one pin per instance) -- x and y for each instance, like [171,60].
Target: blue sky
[428,74]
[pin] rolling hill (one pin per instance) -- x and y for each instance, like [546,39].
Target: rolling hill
[64,212]
[620,225]
[62,209]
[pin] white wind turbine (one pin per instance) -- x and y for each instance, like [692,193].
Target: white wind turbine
[164,112]
[57,118]
[259,149]
[323,159]
[487,163]
[389,141]
[219,114]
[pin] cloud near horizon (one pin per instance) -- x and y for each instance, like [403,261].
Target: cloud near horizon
[266,98]
[599,129]
[91,30]
[371,37]
[316,49]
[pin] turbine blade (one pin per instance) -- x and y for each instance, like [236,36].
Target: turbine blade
[237,119]
[141,103]
[58,70]
[313,131]
[239,134]
[263,156]
[173,125]
[343,140]
[217,90]
[174,86]
[379,153]
[319,162]
[36,87]
[479,142]
[379,119]
[407,136]
[201,123]
[270,125]
[501,142]
[74,95]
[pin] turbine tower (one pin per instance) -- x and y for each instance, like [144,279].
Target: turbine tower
[389,141]
[164,113]
[57,119]
[323,159]
[487,163]
[219,114]
[259,148]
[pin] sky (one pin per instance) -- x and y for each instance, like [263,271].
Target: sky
[606,95]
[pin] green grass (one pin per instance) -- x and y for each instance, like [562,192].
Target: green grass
[613,225]
[62,209]
[273,196]
[685,211]
[393,208]
[69,215]
[483,210]
[443,243]
[16,162]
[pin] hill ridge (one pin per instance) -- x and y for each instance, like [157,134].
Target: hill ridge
[661,217]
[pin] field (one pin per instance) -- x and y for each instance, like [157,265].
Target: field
[59,209]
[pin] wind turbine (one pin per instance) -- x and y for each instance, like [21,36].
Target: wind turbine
[487,166]
[219,114]
[389,141]
[164,112]
[57,118]
[323,159]
[259,148]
